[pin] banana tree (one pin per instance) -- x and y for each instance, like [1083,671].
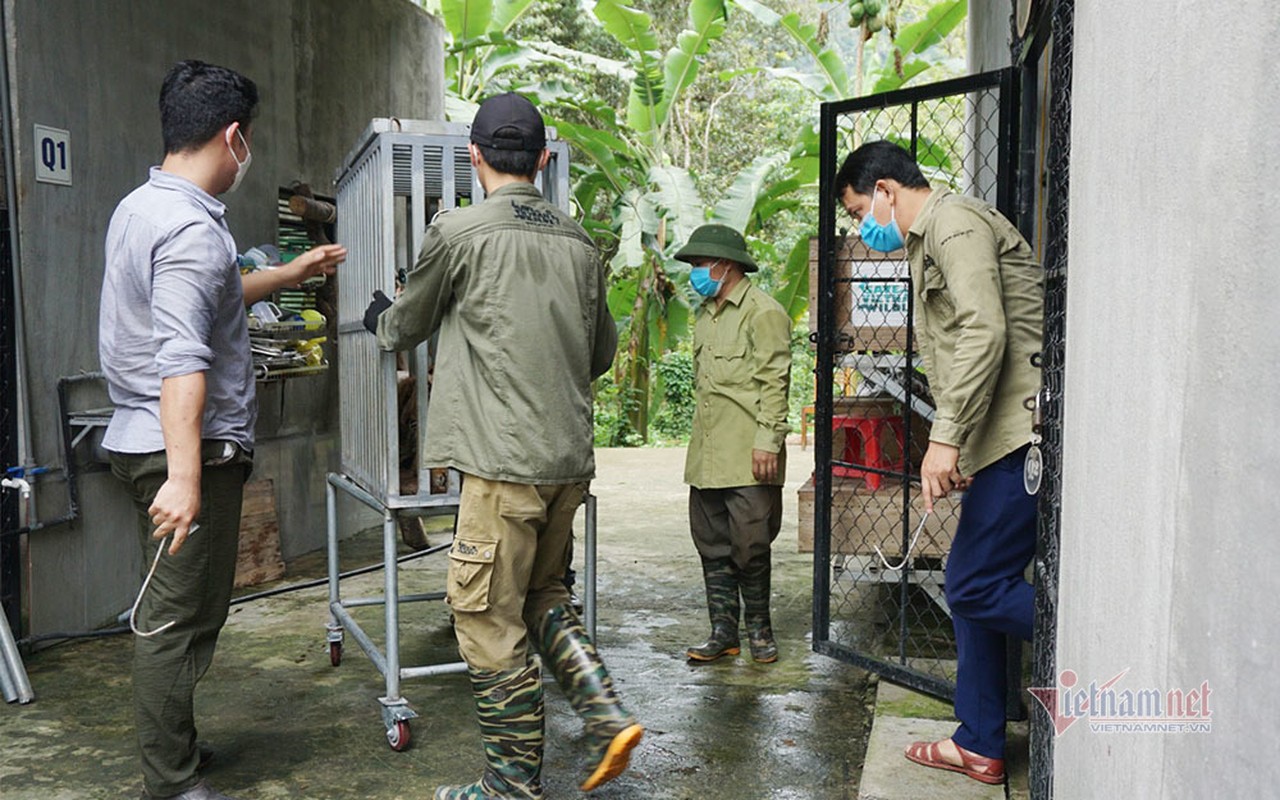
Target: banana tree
[623,166]
[823,75]
[911,46]
[653,204]
[482,57]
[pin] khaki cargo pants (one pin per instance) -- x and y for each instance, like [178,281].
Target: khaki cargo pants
[507,564]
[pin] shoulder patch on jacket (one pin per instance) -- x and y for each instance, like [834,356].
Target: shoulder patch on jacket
[533,216]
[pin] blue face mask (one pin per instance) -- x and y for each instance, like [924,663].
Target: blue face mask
[702,282]
[885,238]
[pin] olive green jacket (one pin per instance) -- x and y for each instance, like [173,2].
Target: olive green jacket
[517,291]
[979,306]
[741,373]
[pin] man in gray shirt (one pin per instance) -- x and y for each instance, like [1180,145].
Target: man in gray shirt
[174,345]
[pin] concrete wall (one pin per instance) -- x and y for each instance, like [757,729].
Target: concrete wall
[1170,507]
[989,32]
[987,40]
[94,67]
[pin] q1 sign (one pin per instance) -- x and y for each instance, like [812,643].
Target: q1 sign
[53,155]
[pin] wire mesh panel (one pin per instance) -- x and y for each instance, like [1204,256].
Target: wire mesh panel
[399,175]
[879,560]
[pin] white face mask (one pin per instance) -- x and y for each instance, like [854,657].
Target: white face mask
[241,166]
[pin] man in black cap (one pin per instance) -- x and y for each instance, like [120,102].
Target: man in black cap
[517,292]
[736,463]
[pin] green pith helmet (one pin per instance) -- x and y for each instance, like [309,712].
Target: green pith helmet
[717,241]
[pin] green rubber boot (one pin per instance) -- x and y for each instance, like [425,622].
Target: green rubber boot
[755,584]
[721,579]
[509,707]
[611,731]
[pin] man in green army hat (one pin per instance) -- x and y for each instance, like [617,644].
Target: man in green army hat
[736,462]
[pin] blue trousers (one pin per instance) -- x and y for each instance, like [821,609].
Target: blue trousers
[989,597]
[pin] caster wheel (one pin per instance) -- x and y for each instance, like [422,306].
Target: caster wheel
[335,653]
[398,736]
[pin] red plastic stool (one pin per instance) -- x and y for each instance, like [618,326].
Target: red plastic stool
[863,436]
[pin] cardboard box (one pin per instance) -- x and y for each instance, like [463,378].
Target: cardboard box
[861,520]
[872,315]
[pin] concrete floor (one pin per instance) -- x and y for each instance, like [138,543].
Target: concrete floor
[287,724]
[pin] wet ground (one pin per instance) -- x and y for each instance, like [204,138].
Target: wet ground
[285,723]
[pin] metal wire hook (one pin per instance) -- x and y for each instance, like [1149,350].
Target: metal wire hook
[133,612]
[910,546]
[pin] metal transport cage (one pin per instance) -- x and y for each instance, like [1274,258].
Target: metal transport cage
[400,174]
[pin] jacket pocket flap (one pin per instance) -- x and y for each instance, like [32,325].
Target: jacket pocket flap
[934,280]
[735,350]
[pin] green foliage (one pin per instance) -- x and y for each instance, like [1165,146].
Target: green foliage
[669,104]
[914,45]
[793,294]
[612,405]
[937,23]
[804,363]
[674,419]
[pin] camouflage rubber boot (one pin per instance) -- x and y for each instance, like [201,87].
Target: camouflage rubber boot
[722,605]
[509,707]
[611,731]
[754,582]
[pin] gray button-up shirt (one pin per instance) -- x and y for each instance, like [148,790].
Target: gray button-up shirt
[172,305]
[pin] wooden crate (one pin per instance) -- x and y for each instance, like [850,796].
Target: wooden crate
[862,519]
[859,330]
[258,559]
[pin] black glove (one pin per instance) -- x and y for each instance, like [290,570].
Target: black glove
[380,303]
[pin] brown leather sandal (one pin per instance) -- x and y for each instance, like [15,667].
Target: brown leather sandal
[980,768]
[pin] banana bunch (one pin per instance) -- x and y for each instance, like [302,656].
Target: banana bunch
[867,12]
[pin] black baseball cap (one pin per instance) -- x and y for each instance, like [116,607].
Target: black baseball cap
[509,122]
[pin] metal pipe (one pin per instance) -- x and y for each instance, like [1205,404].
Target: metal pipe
[13,665]
[7,689]
[69,472]
[366,644]
[331,529]
[353,489]
[359,602]
[392,593]
[435,669]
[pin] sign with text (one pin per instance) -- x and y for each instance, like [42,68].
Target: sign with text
[883,302]
[53,155]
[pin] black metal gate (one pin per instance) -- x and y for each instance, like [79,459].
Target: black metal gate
[878,563]
[877,587]
[1053,32]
